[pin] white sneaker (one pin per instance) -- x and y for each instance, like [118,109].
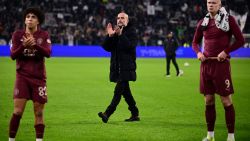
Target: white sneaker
[168,76]
[208,139]
[181,72]
[11,139]
[230,139]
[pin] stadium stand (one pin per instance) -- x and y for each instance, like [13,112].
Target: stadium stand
[83,22]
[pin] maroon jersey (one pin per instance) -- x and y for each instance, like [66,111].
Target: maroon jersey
[30,62]
[216,40]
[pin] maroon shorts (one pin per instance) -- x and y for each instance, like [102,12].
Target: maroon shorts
[215,77]
[29,88]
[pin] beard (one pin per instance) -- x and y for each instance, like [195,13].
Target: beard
[120,26]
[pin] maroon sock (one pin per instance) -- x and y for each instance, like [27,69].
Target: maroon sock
[39,130]
[230,118]
[210,117]
[14,124]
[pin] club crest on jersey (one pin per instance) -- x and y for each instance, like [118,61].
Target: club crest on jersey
[39,41]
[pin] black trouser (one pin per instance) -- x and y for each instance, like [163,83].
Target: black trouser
[122,88]
[173,58]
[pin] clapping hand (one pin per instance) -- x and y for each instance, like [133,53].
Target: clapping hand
[110,30]
[28,40]
[118,30]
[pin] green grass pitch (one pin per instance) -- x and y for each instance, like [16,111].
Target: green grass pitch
[171,109]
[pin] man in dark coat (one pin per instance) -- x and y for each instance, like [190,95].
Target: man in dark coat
[170,46]
[121,41]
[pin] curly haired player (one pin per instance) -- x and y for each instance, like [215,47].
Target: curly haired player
[29,47]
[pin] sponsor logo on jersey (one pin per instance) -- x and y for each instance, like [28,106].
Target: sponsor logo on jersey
[29,52]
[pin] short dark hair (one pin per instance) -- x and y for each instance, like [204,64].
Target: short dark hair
[35,11]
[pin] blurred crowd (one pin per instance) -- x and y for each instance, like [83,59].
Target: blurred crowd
[83,22]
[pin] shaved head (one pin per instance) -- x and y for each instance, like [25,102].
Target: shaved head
[122,19]
[123,14]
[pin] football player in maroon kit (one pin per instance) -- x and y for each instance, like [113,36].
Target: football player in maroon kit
[29,48]
[217,28]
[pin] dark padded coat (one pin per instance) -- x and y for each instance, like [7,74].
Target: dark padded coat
[123,54]
[170,46]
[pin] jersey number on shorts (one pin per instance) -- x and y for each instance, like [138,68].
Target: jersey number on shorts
[42,91]
[227,82]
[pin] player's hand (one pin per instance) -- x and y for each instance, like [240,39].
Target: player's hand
[201,57]
[118,30]
[222,56]
[110,30]
[28,41]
